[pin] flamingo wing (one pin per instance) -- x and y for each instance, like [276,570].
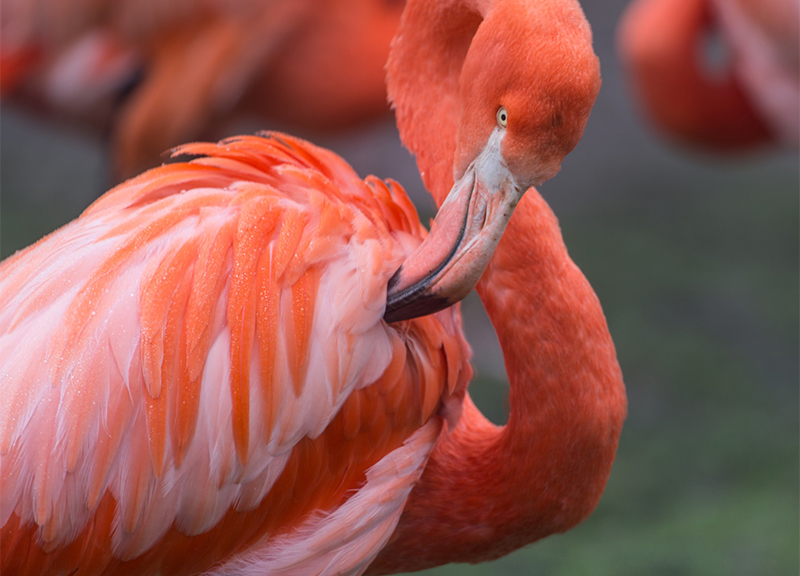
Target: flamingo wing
[197,368]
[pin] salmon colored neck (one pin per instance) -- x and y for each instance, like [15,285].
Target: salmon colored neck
[423,75]
[488,490]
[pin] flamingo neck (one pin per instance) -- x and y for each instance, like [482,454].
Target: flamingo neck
[661,43]
[488,490]
[423,83]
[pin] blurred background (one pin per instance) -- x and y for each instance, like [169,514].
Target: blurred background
[695,259]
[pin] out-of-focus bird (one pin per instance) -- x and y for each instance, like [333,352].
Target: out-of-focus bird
[752,99]
[160,72]
[249,363]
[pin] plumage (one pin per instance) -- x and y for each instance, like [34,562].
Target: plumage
[200,373]
[169,338]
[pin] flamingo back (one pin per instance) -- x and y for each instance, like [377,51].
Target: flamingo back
[198,367]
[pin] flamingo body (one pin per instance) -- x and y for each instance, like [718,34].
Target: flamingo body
[249,363]
[212,366]
[159,73]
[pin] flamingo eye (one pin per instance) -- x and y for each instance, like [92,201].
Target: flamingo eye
[502,117]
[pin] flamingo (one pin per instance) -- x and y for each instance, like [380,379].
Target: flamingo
[162,72]
[754,100]
[250,362]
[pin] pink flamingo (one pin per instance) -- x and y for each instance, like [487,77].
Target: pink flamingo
[161,72]
[754,100]
[249,363]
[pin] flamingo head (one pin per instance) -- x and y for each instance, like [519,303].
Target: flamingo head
[527,87]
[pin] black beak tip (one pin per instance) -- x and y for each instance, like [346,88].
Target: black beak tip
[420,305]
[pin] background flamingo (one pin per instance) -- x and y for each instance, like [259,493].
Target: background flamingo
[753,99]
[213,379]
[696,264]
[160,73]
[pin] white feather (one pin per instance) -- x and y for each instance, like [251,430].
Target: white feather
[345,541]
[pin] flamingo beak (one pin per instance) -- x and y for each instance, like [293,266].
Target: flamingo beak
[469,224]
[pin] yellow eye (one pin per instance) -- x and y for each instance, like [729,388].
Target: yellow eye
[502,117]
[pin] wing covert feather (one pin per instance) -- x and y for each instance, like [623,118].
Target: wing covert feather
[199,362]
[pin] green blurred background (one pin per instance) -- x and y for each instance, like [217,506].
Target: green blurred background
[695,260]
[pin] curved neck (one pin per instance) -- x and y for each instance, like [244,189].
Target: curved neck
[488,490]
[422,80]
